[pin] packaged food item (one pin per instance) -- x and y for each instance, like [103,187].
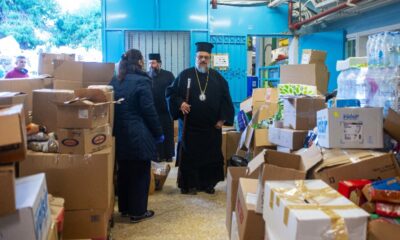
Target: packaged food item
[387,190]
[387,209]
[351,189]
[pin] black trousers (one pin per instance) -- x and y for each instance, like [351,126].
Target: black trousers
[133,186]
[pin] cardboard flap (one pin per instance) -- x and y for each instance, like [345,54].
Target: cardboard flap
[347,158]
[255,163]
[275,173]
[284,160]
[310,156]
[93,95]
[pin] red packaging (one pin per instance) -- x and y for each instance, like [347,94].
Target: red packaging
[388,209]
[387,190]
[351,189]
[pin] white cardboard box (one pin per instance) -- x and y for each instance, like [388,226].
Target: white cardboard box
[32,219]
[350,128]
[307,218]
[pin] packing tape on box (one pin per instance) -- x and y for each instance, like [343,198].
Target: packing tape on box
[301,194]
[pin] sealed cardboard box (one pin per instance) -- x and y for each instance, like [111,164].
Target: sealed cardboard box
[313,56]
[84,181]
[25,85]
[90,223]
[250,223]
[307,74]
[7,186]
[350,127]
[32,219]
[90,110]
[300,113]
[44,111]
[12,128]
[13,98]
[391,125]
[289,138]
[290,215]
[382,230]
[355,165]
[83,141]
[232,183]
[46,64]
[278,166]
[87,72]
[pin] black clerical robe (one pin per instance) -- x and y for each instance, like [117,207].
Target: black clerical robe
[201,163]
[161,81]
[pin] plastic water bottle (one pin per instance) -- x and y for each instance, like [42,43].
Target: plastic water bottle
[370,50]
[396,45]
[361,86]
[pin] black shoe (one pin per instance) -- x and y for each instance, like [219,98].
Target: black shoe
[189,191]
[147,215]
[209,190]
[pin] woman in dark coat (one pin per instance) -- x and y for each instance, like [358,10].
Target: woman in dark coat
[137,130]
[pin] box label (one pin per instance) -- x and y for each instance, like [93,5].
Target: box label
[70,142]
[353,132]
[83,114]
[99,139]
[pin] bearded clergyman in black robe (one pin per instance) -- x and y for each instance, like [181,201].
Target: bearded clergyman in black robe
[209,108]
[161,80]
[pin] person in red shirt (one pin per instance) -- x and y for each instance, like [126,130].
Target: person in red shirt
[19,71]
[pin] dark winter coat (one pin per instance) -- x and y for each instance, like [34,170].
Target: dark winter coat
[136,123]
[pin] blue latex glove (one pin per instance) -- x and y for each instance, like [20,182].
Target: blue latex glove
[160,139]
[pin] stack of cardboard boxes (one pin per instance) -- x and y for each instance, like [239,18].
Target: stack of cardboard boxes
[24,206]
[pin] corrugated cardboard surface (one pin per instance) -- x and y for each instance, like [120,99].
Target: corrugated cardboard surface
[381,230]
[83,141]
[251,224]
[313,56]
[17,98]
[46,65]
[7,186]
[88,72]
[82,116]
[301,113]
[12,128]
[84,181]
[44,110]
[363,165]
[392,123]
[90,223]
[308,74]
[25,85]
[292,139]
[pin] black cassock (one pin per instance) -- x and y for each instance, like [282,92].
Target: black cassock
[160,83]
[202,161]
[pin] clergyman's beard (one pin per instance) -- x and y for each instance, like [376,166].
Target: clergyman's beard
[154,72]
[201,69]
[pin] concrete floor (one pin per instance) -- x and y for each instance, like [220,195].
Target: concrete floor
[178,216]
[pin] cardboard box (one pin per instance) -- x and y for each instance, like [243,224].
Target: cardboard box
[246,138]
[73,85]
[52,234]
[13,98]
[351,62]
[265,95]
[90,223]
[300,113]
[44,111]
[246,105]
[25,85]
[358,165]
[232,143]
[391,125]
[250,223]
[46,65]
[307,74]
[83,141]
[7,186]
[57,212]
[278,166]
[283,149]
[12,128]
[350,128]
[313,56]
[86,72]
[261,138]
[290,216]
[264,112]
[232,183]
[292,139]
[382,230]
[32,218]
[109,93]
[234,235]
[84,113]
[84,181]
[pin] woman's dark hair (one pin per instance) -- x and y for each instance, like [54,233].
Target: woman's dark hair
[129,63]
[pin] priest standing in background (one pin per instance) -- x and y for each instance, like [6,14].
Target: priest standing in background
[161,80]
[209,108]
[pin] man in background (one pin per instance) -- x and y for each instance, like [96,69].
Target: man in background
[19,71]
[161,80]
